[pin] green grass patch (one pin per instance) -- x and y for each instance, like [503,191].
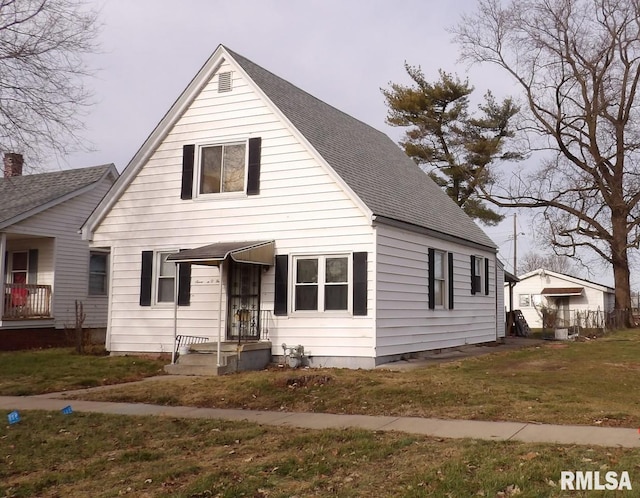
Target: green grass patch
[60,369]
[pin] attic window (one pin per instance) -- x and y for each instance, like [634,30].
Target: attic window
[224,82]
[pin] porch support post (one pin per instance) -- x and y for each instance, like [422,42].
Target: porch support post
[175,316]
[3,270]
[220,313]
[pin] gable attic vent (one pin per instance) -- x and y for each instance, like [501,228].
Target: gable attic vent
[224,82]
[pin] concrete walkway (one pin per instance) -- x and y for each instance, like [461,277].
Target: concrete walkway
[495,431]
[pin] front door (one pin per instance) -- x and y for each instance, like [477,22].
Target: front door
[243,309]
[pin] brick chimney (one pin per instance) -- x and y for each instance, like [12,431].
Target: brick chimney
[13,164]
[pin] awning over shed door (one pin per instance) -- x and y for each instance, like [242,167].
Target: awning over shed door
[254,252]
[562,291]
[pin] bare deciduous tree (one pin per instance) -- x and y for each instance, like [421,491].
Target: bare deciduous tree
[42,68]
[578,63]
[535,261]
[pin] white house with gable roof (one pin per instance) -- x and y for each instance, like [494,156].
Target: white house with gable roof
[545,289]
[256,212]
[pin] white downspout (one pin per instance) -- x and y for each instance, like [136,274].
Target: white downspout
[220,313]
[175,316]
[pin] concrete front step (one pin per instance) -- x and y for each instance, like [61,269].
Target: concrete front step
[202,358]
[177,369]
[230,347]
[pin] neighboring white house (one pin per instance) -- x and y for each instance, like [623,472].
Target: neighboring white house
[46,266]
[263,210]
[548,289]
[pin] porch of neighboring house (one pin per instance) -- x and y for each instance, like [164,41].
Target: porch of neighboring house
[243,342]
[26,292]
[26,302]
[26,273]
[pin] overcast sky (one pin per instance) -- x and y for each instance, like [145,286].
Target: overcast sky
[341,51]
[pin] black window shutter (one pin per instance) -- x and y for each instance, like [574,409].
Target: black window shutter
[473,274]
[188,153]
[450,279]
[360,283]
[253,173]
[281,285]
[184,284]
[32,276]
[486,276]
[432,279]
[146,278]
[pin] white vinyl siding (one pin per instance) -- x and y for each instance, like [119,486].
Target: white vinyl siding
[404,321]
[300,206]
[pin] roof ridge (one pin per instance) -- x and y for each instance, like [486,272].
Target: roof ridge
[25,193]
[301,90]
[62,171]
[374,167]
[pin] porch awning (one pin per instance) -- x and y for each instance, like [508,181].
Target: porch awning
[257,253]
[562,291]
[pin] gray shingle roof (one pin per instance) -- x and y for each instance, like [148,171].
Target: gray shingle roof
[21,194]
[373,166]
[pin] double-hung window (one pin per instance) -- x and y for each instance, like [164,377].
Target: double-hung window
[440,282]
[98,273]
[209,170]
[165,278]
[479,275]
[321,283]
[441,285]
[222,168]
[19,267]
[158,280]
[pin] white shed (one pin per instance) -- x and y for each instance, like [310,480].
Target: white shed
[564,294]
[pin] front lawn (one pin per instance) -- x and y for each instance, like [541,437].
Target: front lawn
[61,369]
[94,455]
[589,383]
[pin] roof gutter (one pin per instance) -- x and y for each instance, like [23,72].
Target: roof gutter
[432,233]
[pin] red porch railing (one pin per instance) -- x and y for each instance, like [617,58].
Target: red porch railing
[26,301]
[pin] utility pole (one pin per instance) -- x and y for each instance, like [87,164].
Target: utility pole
[515,246]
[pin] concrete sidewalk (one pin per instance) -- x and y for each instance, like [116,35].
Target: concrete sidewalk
[495,431]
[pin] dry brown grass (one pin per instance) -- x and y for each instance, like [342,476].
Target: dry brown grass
[93,455]
[583,383]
